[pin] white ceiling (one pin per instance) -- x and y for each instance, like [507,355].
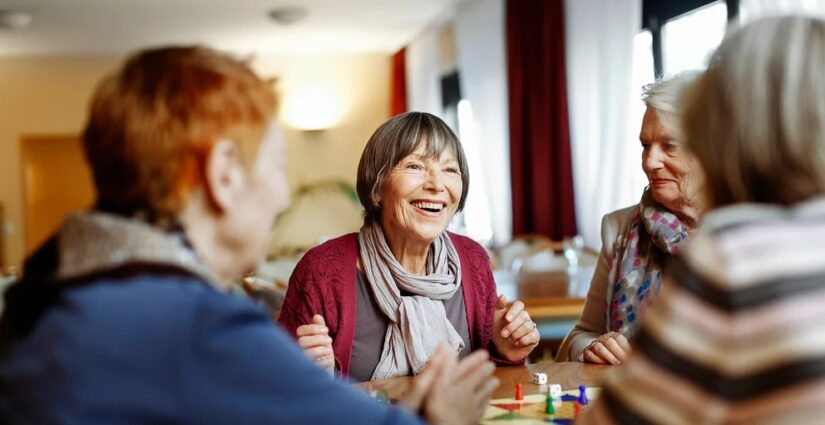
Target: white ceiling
[243,26]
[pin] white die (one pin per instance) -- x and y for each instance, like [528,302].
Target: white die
[555,390]
[540,378]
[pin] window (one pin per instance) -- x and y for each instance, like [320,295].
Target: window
[754,9]
[690,39]
[474,220]
[685,32]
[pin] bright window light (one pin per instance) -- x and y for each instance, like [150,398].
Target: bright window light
[689,40]
[750,10]
[477,223]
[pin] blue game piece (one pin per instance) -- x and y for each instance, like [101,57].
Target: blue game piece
[582,395]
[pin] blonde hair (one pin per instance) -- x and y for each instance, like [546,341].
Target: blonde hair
[756,118]
[152,124]
[666,98]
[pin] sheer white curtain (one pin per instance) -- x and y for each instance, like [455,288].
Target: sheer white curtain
[423,70]
[604,105]
[480,45]
[753,9]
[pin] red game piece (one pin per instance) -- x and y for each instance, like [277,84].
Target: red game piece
[519,392]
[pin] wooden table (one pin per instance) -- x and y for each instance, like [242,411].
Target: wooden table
[568,374]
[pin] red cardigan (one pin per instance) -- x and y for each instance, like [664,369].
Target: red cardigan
[324,283]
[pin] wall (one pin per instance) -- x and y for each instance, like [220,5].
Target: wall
[49,166]
[48,96]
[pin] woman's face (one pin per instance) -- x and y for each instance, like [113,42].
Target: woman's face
[420,195]
[670,169]
[265,195]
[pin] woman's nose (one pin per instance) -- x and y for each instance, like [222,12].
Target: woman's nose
[435,181]
[652,160]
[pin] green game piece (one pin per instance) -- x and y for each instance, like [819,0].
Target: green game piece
[550,409]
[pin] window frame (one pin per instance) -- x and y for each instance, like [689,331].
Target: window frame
[656,13]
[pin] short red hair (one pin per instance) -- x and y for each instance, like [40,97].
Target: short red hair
[152,124]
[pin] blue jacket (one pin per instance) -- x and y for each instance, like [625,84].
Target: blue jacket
[153,346]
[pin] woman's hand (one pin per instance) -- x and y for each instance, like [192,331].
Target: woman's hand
[610,348]
[315,341]
[514,333]
[452,392]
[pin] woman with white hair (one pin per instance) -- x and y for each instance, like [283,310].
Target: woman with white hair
[636,240]
[736,336]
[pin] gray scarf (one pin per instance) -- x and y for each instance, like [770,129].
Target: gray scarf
[418,323]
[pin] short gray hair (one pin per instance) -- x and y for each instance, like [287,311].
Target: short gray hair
[400,136]
[666,98]
[756,118]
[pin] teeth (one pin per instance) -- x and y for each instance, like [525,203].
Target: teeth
[428,206]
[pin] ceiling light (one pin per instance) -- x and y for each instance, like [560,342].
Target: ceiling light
[14,19]
[288,14]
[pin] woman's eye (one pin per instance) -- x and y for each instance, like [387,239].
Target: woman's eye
[414,166]
[452,170]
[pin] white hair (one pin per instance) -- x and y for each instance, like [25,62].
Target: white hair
[666,98]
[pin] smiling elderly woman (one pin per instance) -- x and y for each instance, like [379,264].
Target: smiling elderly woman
[636,240]
[374,305]
[736,335]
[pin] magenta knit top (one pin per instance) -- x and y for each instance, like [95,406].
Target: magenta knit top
[324,283]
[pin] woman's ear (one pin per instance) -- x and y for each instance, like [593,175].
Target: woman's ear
[225,175]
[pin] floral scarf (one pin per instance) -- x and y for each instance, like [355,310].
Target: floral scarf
[636,270]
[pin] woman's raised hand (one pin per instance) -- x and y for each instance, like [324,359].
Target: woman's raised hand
[314,339]
[514,332]
[610,348]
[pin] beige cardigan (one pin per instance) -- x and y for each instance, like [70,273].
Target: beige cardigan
[592,322]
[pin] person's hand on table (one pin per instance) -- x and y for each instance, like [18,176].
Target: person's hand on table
[611,348]
[314,339]
[514,333]
[452,392]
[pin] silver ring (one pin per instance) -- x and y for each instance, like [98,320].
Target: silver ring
[533,323]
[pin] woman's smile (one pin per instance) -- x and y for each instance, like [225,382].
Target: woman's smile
[429,208]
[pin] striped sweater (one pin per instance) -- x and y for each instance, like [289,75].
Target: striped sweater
[737,334]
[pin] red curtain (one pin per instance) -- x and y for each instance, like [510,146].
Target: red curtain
[540,161]
[398,91]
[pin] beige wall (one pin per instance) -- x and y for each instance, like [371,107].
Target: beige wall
[48,96]
[55,181]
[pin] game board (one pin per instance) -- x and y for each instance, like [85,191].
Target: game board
[530,411]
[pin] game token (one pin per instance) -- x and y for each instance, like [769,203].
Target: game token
[519,393]
[550,409]
[582,395]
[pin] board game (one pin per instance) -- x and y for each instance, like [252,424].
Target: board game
[531,410]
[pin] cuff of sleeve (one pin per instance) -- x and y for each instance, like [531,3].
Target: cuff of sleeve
[579,348]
